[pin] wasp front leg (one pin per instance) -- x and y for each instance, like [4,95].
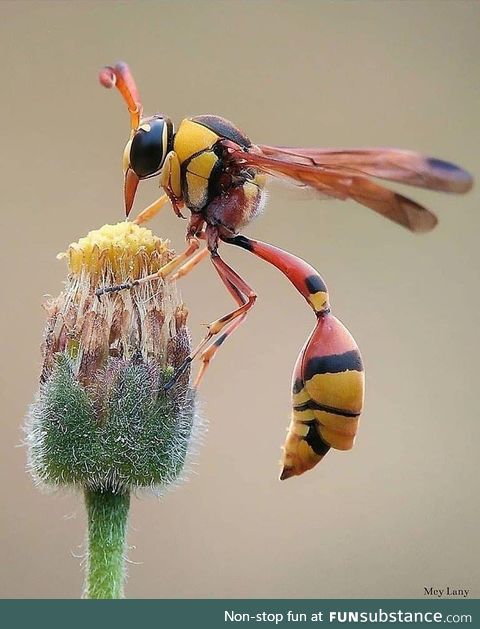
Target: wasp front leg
[328,380]
[174,266]
[171,182]
[152,210]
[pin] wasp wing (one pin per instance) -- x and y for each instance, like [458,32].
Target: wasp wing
[406,167]
[344,174]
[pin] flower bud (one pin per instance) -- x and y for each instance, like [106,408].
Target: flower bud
[102,419]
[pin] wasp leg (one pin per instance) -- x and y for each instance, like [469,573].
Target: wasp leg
[207,355]
[171,182]
[209,352]
[152,210]
[190,264]
[174,265]
[244,296]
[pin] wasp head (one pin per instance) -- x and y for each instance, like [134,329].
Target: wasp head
[145,153]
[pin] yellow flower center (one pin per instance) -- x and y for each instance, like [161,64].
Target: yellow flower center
[120,251]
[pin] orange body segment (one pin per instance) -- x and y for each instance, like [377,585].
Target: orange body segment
[327,397]
[328,379]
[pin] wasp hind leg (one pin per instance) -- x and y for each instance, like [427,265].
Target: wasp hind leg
[245,298]
[207,355]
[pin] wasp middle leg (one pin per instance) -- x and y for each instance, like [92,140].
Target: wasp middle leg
[175,265]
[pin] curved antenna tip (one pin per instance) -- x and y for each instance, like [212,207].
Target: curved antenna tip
[119,76]
[107,77]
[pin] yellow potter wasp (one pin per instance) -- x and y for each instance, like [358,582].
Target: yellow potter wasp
[212,169]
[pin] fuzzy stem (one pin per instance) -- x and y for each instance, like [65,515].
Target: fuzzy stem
[107,514]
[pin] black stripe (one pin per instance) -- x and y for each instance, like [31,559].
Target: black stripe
[297,385]
[335,363]
[312,405]
[170,135]
[240,241]
[220,339]
[315,284]
[223,128]
[441,164]
[314,440]
[214,180]
[183,178]
[185,164]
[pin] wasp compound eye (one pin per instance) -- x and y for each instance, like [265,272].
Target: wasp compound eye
[150,145]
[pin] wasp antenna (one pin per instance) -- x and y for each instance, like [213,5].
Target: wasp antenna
[119,76]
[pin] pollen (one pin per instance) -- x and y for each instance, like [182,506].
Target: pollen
[119,251]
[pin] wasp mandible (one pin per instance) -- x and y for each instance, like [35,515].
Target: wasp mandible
[212,169]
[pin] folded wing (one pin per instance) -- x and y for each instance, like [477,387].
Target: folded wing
[345,174]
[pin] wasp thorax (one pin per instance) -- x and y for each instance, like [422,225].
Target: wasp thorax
[150,145]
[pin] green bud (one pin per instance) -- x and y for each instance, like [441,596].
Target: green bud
[102,421]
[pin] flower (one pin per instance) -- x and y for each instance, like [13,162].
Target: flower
[102,420]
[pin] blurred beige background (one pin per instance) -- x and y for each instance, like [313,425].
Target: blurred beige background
[398,513]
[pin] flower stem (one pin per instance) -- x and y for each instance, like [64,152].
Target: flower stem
[107,514]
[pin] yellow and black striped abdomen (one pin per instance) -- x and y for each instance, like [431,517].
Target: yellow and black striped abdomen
[327,396]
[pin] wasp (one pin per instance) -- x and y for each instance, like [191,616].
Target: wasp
[210,167]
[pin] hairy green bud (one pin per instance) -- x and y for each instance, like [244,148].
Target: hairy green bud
[102,421]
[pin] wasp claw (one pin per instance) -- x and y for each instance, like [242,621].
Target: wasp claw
[114,289]
[176,206]
[180,215]
[168,385]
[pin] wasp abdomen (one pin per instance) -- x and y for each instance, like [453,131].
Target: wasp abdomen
[328,379]
[327,397]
